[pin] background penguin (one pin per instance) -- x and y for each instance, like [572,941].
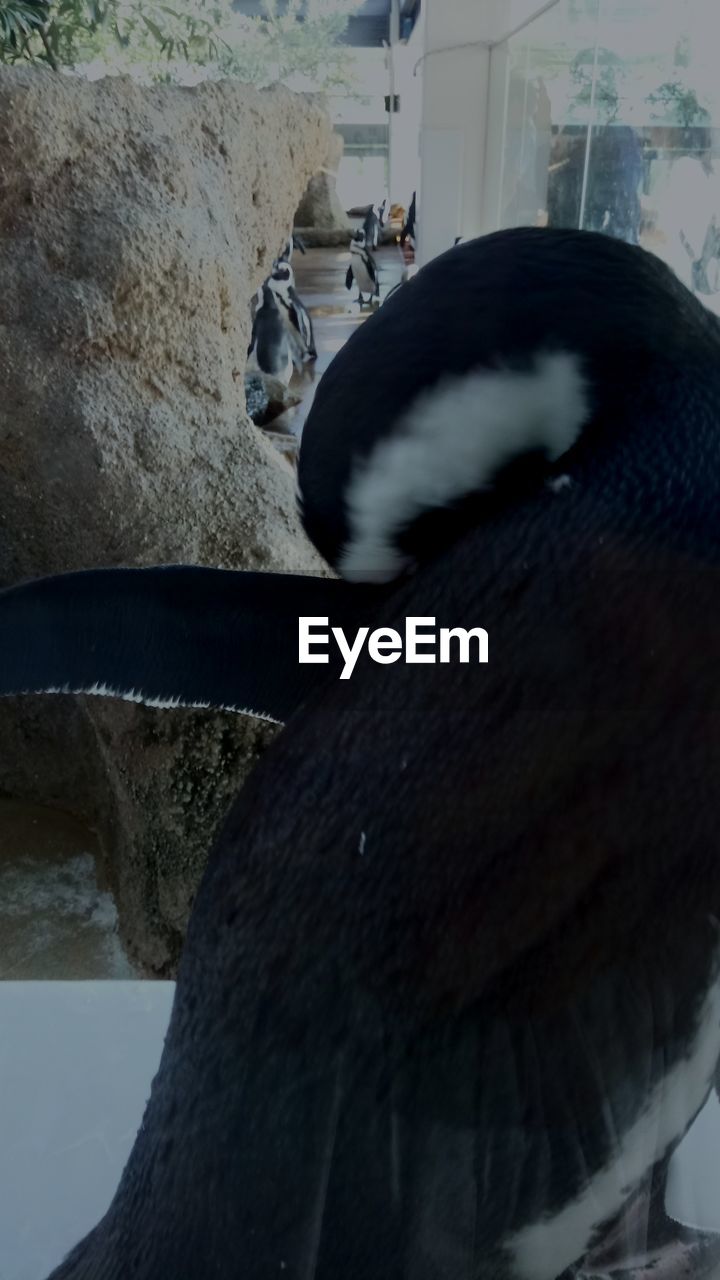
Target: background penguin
[270,350]
[282,283]
[454,965]
[293,242]
[256,302]
[373,224]
[407,234]
[363,269]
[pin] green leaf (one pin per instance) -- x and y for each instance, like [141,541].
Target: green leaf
[153,28]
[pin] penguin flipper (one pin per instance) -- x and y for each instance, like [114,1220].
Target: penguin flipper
[173,636]
[349,277]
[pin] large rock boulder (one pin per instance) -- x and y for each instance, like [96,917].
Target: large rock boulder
[135,224]
[320,209]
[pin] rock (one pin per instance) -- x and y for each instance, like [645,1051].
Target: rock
[266,398]
[135,224]
[320,237]
[320,207]
[287,445]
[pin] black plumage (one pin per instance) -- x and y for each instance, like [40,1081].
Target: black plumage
[450,994]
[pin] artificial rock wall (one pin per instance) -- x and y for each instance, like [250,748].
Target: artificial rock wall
[135,224]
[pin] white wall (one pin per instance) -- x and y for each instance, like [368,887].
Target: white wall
[405,124]
[453,122]
[362,180]
[360,183]
[508,14]
[456,99]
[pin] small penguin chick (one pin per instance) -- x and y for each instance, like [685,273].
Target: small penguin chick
[293,242]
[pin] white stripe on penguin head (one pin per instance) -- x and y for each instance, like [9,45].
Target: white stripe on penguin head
[450,443]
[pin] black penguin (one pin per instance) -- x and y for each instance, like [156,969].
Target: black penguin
[407,234]
[450,994]
[270,350]
[282,283]
[373,224]
[363,269]
[293,242]
[440,418]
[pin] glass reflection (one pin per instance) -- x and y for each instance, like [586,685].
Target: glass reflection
[611,123]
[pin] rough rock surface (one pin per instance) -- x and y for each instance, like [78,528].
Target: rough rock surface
[135,224]
[320,207]
[316,238]
[267,398]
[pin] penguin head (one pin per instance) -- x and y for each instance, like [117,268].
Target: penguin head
[358,240]
[516,361]
[287,251]
[282,277]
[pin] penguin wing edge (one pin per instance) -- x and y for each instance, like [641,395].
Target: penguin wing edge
[173,636]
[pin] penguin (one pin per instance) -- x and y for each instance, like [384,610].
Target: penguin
[454,964]
[282,284]
[407,234]
[293,242]
[256,302]
[270,350]
[363,269]
[211,638]
[373,224]
[442,419]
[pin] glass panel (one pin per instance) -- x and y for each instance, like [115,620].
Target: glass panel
[545,119]
[611,123]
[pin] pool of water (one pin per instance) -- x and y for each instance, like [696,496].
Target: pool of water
[58,918]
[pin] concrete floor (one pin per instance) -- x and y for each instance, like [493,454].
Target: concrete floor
[320,281]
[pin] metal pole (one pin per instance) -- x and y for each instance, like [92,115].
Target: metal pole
[394,41]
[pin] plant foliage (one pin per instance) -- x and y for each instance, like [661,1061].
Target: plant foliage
[158,41]
[680,102]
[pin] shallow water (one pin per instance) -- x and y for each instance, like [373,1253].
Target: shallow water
[57,916]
